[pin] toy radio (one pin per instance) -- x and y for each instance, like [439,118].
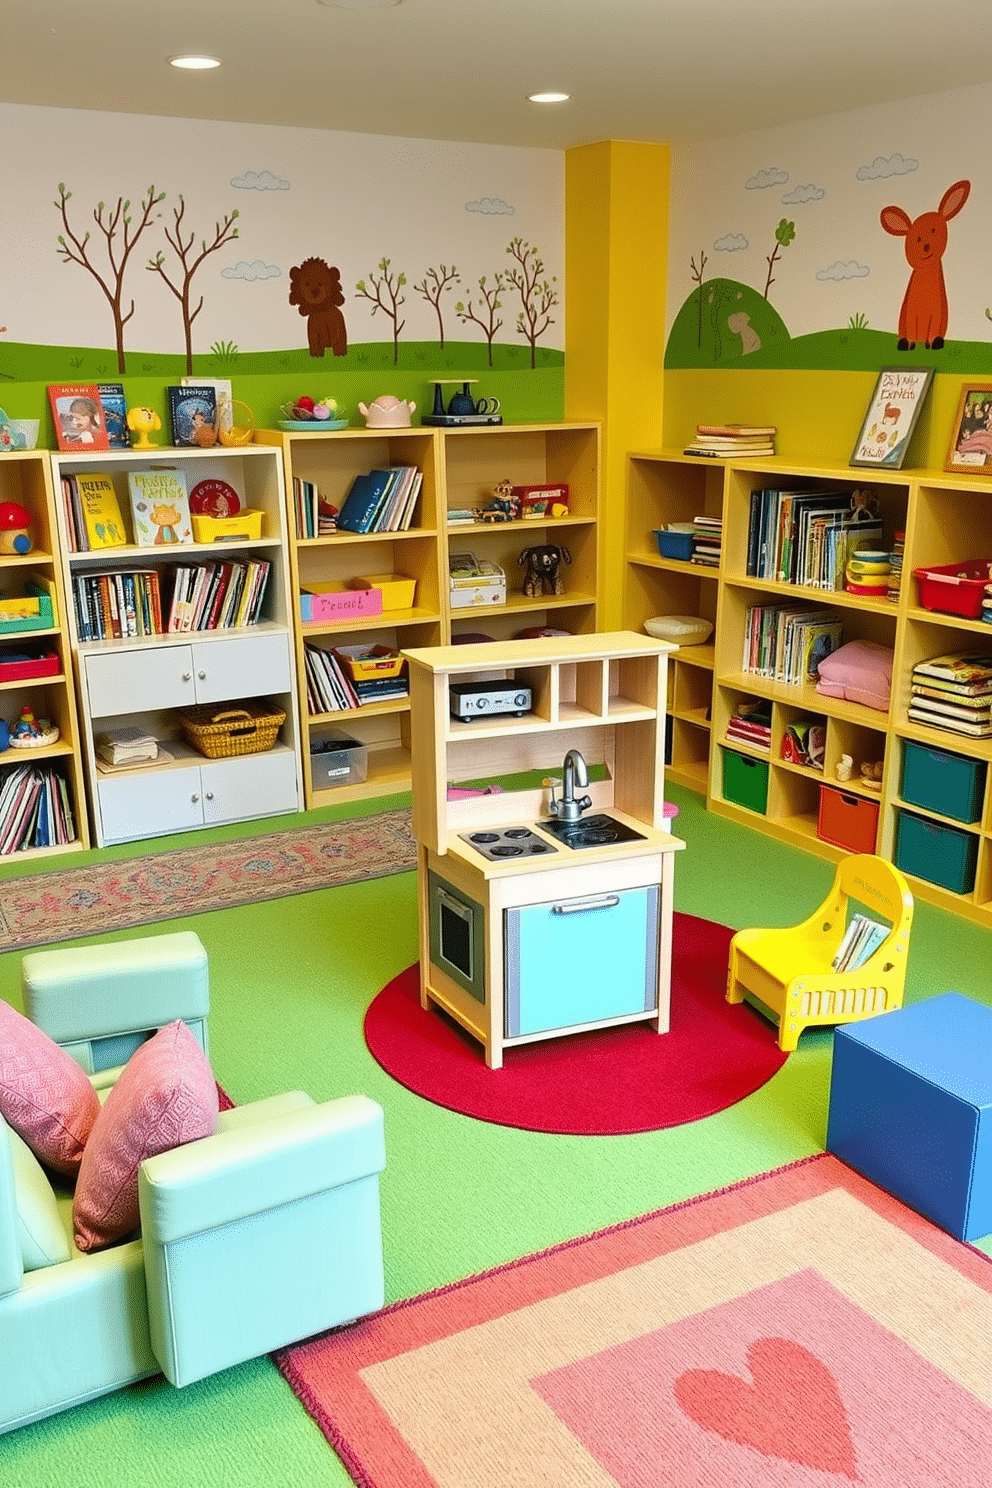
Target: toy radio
[471,700]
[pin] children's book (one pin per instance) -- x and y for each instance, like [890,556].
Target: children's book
[114,405]
[193,411]
[159,507]
[958,666]
[101,510]
[78,415]
[223,397]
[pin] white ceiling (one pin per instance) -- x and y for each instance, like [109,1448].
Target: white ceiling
[668,70]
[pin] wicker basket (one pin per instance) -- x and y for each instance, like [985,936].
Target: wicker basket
[220,732]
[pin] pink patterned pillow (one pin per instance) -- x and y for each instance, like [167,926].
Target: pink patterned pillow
[44,1094]
[166,1096]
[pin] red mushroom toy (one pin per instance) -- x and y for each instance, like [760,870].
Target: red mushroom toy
[14,524]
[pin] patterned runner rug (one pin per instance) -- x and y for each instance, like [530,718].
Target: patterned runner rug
[41,908]
[798,1330]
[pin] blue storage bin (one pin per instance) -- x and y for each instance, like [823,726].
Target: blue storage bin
[937,780]
[673,544]
[941,855]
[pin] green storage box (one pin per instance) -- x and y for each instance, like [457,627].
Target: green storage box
[745,781]
[942,855]
[940,781]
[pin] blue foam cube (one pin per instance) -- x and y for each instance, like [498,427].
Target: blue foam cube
[911,1108]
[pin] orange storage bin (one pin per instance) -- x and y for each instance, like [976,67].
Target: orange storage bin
[847,820]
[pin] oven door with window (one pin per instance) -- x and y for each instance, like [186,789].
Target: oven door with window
[457,936]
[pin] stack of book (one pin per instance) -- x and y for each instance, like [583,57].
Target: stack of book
[953,692]
[732,441]
[380,689]
[126,746]
[807,537]
[752,725]
[707,535]
[862,939]
[895,566]
[381,501]
[117,603]
[329,688]
[34,809]
[218,595]
[787,643]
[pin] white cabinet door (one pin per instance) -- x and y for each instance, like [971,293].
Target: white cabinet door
[247,667]
[249,785]
[149,803]
[144,680]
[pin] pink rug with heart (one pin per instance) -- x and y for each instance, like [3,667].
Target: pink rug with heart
[798,1330]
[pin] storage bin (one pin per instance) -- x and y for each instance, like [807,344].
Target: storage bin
[336,759]
[366,663]
[335,601]
[847,820]
[940,781]
[954,588]
[673,544]
[245,524]
[745,781]
[19,667]
[941,855]
[32,610]
[225,730]
[397,590]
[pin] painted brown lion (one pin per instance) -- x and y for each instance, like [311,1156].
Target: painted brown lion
[316,289]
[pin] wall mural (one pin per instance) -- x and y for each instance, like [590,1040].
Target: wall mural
[375,257]
[818,285]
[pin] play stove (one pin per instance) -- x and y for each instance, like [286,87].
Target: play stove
[498,843]
[591,831]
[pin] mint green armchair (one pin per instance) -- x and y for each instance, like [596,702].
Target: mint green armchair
[265,1233]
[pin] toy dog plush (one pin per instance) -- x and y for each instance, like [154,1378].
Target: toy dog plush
[543,565]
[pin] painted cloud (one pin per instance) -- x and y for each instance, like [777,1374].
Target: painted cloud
[259,181]
[841,270]
[250,271]
[490,206]
[730,243]
[804,194]
[773,176]
[882,166]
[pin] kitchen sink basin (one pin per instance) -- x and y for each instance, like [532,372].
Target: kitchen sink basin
[591,831]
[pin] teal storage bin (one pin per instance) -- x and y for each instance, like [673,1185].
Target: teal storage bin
[937,780]
[941,855]
[745,781]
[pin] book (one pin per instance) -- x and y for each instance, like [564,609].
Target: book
[101,510]
[727,454]
[363,501]
[193,411]
[159,506]
[957,666]
[735,430]
[223,397]
[114,406]
[78,416]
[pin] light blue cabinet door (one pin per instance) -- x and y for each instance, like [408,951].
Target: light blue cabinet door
[576,961]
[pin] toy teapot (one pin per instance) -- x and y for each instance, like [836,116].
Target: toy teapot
[387,412]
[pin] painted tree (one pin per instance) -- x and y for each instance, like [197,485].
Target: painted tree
[385,296]
[181,243]
[697,278]
[120,231]
[433,285]
[485,319]
[537,294]
[784,234]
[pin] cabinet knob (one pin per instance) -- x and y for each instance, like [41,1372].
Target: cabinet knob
[194,799]
[187,676]
[201,675]
[208,795]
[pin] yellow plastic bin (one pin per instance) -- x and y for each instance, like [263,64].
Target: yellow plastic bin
[397,589]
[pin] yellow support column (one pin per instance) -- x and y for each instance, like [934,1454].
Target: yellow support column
[616,266]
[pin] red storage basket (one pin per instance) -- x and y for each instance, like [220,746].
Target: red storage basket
[954,588]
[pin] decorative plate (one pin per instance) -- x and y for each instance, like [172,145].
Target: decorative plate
[214,498]
[312,426]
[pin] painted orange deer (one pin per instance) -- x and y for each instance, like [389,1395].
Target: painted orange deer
[923,316]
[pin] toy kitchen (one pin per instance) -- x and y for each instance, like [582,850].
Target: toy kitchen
[545,864]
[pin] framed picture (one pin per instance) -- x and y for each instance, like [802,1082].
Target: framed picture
[971,441]
[78,415]
[891,417]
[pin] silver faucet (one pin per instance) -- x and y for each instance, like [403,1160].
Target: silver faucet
[574,773]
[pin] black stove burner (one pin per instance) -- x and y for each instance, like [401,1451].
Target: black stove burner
[507,850]
[484,837]
[518,832]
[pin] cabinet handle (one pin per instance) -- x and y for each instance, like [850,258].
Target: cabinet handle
[202,676]
[194,799]
[578,906]
[208,795]
[187,676]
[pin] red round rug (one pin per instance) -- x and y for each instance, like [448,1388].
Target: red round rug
[603,1083]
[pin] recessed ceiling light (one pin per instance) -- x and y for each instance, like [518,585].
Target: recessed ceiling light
[547,97]
[194,64]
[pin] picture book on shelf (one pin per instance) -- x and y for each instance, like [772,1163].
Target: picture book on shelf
[101,510]
[78,415]
[193,410]
[114,406]
[223,396]
[159,507]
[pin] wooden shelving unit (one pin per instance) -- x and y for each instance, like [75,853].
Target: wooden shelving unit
[25,478]
[460,468]
[945,520]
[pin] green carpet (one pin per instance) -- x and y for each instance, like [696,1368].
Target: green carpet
[458,1195]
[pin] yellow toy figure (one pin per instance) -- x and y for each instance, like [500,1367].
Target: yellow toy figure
[143,421]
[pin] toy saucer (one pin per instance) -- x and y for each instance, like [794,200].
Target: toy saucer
[34,741]
[312,426]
